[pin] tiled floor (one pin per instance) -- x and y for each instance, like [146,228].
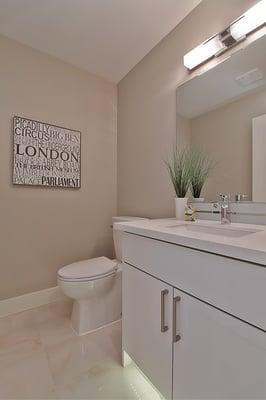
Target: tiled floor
[42,358]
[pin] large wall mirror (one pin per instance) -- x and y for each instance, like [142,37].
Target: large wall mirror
[223,112]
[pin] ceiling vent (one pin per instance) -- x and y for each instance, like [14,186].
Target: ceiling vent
[248,78]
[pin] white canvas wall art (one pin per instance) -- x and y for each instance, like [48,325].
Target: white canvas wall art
[45,154]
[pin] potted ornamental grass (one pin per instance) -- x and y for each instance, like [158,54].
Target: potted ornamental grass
[200,168]
[179,166]
[188,169]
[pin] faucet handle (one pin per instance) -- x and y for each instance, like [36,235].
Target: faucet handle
[224,197]
[240,197]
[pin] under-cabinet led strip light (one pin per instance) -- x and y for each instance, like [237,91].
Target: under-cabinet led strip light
[254,18]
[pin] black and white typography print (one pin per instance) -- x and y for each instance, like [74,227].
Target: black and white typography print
[45,154]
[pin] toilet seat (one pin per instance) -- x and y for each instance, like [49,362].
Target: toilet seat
[87,270]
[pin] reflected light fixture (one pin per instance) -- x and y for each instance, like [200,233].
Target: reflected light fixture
[248,22]
[252,19]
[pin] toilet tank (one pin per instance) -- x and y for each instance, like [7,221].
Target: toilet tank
[117,234]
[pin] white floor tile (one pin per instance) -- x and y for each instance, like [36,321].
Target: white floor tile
[42,358]
[78,355]
[25,374]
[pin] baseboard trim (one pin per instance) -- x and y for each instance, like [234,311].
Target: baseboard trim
[30,300]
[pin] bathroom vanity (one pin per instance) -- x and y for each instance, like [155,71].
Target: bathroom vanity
[194,294]
[194,317]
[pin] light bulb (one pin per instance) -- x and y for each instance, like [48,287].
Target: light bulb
[252,19]
[203,52]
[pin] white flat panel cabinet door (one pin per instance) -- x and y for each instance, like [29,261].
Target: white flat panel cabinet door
[217,356]
[147,326]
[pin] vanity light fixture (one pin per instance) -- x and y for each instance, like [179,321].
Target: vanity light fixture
[254,18]
[203,52]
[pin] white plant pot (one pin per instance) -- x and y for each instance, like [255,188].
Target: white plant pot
[180,207]
[198,199]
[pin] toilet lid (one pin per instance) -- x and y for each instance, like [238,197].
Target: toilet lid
[87,269]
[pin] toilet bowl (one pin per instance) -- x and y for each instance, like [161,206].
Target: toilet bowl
[95,285]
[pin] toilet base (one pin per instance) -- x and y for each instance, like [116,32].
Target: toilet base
[98,311]
[96,329]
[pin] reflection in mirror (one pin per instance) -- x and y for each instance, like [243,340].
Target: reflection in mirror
[223,112]
[259,158]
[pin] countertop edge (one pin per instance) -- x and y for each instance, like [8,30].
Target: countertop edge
[252,256]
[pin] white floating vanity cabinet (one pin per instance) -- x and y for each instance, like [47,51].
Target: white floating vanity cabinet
[194,322]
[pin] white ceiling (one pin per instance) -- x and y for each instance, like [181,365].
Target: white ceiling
[105,37]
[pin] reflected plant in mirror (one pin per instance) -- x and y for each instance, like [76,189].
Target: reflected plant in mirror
[201,167]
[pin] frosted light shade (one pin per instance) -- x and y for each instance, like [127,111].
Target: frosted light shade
[203,52]
[252,19]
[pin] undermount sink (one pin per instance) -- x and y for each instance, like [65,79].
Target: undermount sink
[217,231]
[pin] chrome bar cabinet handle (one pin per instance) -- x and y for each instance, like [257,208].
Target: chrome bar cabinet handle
[164,327]
[176,337]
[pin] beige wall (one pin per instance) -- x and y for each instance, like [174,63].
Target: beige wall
[42,229]
[226,135]
[147,110]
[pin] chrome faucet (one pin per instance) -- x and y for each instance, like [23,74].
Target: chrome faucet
[225,209]
[240,197]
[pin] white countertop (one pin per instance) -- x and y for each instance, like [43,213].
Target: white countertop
[251,247]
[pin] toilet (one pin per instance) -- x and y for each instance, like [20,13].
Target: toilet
[95,285]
